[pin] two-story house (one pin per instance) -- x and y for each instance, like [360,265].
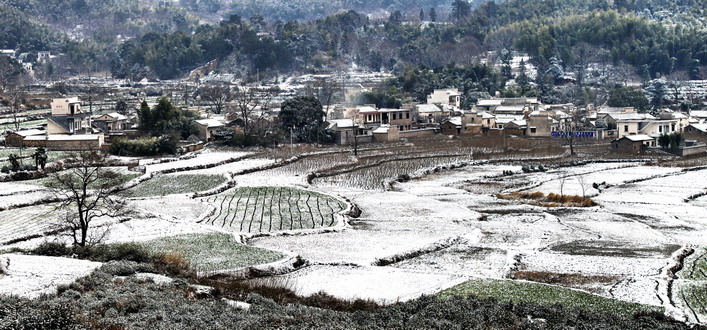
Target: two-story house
[67,117]
[449,96]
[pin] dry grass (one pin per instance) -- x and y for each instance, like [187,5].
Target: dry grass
[551,200]
[562,279]
[173,263]
[281,291]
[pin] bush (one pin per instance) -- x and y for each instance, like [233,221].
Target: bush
[172,263]
[123,251]
[125,268]
[5,169]
[144,147]
[52,249]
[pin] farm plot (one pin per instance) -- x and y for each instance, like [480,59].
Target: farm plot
[519,292]
[691,289]
[24,222]
[271,209]
[211,252]
[171,184]
[204,158]
[33,276]
[371,173]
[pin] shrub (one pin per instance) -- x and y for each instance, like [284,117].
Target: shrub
[124,268]
[53,249]
[123,251]
[172,263]
[144,147]
[5,169]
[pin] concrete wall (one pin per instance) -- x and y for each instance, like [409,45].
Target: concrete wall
[686,151]
[418,133]
[70,145]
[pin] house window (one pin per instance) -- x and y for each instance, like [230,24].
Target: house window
[533,130]
[673,128]
[370,118]
[625,128]
[394,116]
[472,119]
[660,129]
[407,115]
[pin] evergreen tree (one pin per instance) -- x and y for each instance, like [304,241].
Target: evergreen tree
[433,15]
[460,9]
[422,14]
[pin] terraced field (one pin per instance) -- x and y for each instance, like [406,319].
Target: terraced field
[162,185]
[20,223]
[272,209]
[210,252]
[691,287]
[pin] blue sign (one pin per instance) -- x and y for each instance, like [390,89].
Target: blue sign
[565,134]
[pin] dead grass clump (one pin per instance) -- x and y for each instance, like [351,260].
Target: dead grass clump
[565,279]
[173,263]
[551,200]
[282,291]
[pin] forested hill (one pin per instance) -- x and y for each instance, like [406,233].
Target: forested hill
[166,39]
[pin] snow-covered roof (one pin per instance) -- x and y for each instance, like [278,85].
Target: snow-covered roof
[700,127]
[605,110]
[366,109]
[489,103]
[486,115]
[30,132]
[639,138]
[520,122]
[428,108]
[383,129]
[61,137]
[114,115]
[456,120]
[698,114]
[631,116]
[341,123]
[210,123]
[678,115]
[515,108]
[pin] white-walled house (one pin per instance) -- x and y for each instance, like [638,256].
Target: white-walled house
[445,96]
[67,117]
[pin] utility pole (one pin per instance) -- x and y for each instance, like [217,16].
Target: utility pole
[291,152]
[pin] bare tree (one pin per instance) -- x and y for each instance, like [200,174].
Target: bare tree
[86,191]
[563,180]
[582,183]
[325,90]
[8,73]
[92,91]
[216,95]
[17,100]
[251,104]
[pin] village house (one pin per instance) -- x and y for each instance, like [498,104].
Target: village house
[345,130]
[479,122]
[429,114]
[508,106]
[450,97]
[68,128]
[633,123]
[207,127]
[373,118]
[453,126]
[632,144]
[696,132]
[67,117]
[112,122]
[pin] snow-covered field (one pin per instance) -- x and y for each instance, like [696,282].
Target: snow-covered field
[32,276]
[433,232]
